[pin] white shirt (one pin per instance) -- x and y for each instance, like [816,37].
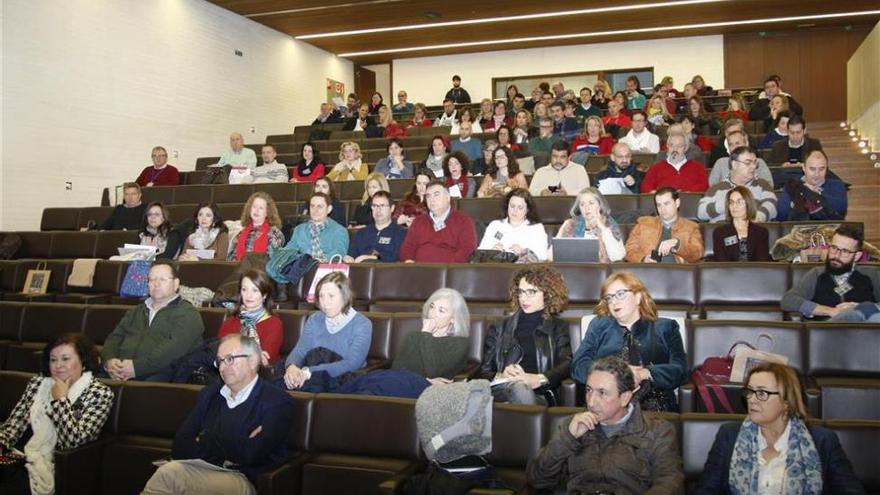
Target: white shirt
[152,310]
[242,396]
[475,129]
[678,163]
[771,475]
[643,140]
[528,235]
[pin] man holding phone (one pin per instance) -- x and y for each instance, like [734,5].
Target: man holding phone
[561,177]
[665,238]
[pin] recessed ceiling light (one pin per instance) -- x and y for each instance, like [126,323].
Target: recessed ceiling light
[682,27]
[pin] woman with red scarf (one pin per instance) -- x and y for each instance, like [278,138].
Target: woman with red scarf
[261,227]
[455,169]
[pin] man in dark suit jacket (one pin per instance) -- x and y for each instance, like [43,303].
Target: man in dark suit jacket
[361,121]
[241,424]
[792,152]
[761,109]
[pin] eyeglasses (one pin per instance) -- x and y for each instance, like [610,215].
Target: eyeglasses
[736,202]
[379,206]
[841,250]
[228,359]
[616,296]
[760,394]
[157,280]
[527,292]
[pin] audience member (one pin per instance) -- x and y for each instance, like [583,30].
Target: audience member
[335,339]
[761,108]
[522,129]
[586,108]
[668,84]
[449,117]
[502,175]
[814,196]
[270,170]
[793,151]
[154,333]
[519,231]
[328,115]
[436,155]
[465,115]
[778,105]
[635,97]
[543,142]
[774,450]
[310,167]
[601,94]
[444,235]
[667,237]
[361,121]
[160,173]
[564,127]
[722,168]
[614,117]
[591,219]
[130,214]
[380,240]
[779,132]
[470,146]
[594,140]
[413,203]
[657,113]
[516,105]
[353,103]
[542,111]
[209,234]
[63,408]
[499,117]
[621,166]
[740,238]
[458,94]
[743,166]
[455,170]
[723,148]
[697,144]
[374,182]
[242,161]
[676,171]
[705,122]
[391,129]
[419,118]
[395,165]
[486,111]
[337,212]
[503,136]
[639,138]
[239,428]
[613,447]
[376,102]
[534,100]
[701,88]
[562,177]
[840,285]
[736,109]
[261,227]
[321,237]
[253,316]
[627,326]
[350,166]
[402,105]
[530,350]
[157,231]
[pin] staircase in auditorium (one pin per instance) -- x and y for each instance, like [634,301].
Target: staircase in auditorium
[851,165]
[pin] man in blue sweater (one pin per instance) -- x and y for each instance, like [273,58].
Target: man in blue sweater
[813,197]
[471,147]
[241,425]
[380,240]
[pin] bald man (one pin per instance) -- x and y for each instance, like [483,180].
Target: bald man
[242,160]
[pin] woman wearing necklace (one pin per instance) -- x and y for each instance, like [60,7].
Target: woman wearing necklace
[627,326]
[210,234]
[740,239]
[253,318]
[309,168]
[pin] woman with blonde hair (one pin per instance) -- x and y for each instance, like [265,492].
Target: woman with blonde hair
[658,114]
[627,326]
[601,94]
[373,183]
[736,109]
[261,227]
[350,166]
[594,140]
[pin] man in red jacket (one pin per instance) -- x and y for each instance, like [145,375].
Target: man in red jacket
[159,173]
[676,170]
[444,235]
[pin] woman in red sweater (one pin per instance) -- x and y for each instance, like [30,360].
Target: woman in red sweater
[252,317]
[594,140]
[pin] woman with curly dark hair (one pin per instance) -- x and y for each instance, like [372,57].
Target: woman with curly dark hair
[627,326]
[529,352]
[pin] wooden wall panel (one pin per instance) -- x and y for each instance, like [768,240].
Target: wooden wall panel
[811,62]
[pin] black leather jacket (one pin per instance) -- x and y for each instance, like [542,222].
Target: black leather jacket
[552,346]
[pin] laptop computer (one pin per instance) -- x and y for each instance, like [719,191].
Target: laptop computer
[575,250]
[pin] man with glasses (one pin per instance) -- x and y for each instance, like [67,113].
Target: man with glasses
[443,235]
[241,424]
[159,173]
[815,196]
[665,238]
[840,287]
[639,138]
[154,333]
[621,166]
[612,447]
[721,166]
[402,105]
[380,240]
[744,164]
[541,144]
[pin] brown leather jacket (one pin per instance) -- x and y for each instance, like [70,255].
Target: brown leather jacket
[645,237]
[641,458]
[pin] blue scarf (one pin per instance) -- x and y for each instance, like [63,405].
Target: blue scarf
[803,468]
[249,320]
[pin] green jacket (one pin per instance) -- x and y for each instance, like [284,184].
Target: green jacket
[176,330]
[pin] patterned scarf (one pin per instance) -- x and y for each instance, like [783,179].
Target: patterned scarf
[152,237]
[315,231]
[249,320]
[202,238]
[803,469]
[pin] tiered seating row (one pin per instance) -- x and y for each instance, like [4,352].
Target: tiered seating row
[338,446]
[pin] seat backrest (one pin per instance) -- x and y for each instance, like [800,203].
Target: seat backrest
[667,283]
[95,214]
[380,342]
[481,209]
[35,245]
[742,283]
[407,281]
[517,434]
[9,275]
[859,440]
[10,319]
[206,273]
[108,277]
[365,425]
[154,409]
[707,338]
[843,349]
[163,194]
[101,319]
[292,321]
[212,319]
[300,432]
[231,193]
[486,282]
[554,209]
[279,191]
[42,322]
[14,383]
[192,194]
[697,436]
[59,219]
[108,242]
[584,281]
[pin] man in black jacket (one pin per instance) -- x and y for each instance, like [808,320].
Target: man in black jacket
[130,214]
[761,109]
[361,121]
[458,94]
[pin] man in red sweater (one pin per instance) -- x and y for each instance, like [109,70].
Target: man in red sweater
[444,235]
[676,170]
[159,173]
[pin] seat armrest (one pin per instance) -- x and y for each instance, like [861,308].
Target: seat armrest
[279,481]
[394,484]
[568,393]
[686,398]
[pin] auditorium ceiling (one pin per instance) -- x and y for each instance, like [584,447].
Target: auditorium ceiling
[433,27]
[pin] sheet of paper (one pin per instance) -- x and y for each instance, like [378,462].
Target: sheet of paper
[499,381]
[454,191]
[202,254]
[613,185]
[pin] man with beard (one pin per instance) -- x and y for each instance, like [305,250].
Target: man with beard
[837,289]
[676,170]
